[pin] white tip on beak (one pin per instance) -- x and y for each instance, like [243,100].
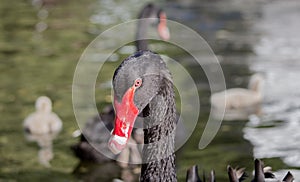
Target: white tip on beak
[116,144]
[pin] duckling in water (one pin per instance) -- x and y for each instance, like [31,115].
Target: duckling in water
[42,126]
[239,103]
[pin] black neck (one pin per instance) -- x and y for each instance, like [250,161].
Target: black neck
[149,11]
[259,173]
[141,42]
[158,151]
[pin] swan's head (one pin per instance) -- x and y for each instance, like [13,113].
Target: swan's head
[43,104]
[256,82]
[162,28]
[136,82]
[157,17]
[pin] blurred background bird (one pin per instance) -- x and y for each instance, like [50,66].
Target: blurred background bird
[42,126]
[239,103]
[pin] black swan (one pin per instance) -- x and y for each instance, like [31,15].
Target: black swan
[143,85]
[150,14]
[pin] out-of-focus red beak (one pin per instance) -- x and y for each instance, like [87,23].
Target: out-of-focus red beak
[126,113]
[162,28]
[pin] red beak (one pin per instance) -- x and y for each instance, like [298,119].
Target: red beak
[162,28]
[126,113]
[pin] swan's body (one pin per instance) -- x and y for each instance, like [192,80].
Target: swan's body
[93,145]
[94,137]
[239,103]
[43,126]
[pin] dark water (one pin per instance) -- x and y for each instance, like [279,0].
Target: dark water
[42,43]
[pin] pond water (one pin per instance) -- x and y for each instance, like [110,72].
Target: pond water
[42,41]
[277,55]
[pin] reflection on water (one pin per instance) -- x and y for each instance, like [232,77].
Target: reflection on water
[42,15]
[276,134]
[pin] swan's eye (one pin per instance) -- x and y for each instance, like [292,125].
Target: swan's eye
[138,83]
